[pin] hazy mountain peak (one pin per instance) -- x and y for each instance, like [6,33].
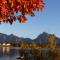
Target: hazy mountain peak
[43,38]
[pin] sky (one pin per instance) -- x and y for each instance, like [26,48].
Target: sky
[46,21]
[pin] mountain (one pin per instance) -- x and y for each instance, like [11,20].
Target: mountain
[43,38]
[13,39]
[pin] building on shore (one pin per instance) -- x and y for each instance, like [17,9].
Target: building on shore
[5,44]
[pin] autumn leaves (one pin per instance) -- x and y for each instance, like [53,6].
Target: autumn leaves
[9,7]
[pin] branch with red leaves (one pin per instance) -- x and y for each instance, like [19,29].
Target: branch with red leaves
[9,7]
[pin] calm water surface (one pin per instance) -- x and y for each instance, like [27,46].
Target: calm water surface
[9,53]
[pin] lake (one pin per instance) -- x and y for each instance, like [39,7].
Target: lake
[11,53]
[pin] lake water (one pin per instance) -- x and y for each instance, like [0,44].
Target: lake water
[11,53]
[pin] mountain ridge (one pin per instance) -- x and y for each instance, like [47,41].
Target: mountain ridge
[12,38]
[41,39]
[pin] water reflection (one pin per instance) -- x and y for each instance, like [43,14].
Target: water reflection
[8,49]
[8,53]
[15,53]
[40,54]
[5,49]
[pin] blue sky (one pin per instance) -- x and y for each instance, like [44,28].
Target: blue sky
[46,21]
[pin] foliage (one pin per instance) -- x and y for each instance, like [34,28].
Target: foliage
[9,7]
